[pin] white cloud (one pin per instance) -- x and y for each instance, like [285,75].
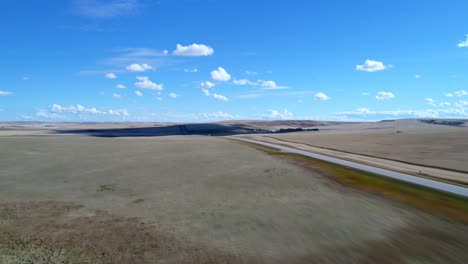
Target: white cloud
[111,76]
[116,96]
[215,96]
[463,44]
[445,104]
[220,75]
[193,50]
[244,82]
[321,97]
[417,76]
[138,67]
[119,112]
[206,92]
[120,86]
[105,9]
[25,78]
[191,70]
[365,93]
[251,73]
[122,58]
[173,95]
[363,110]
[462,104]
[386,114]
[78,112]
[220,97]
[145,83]
[430,101]
[138,93]
[207,85]
[457,94]
[271,85]
[214,115]
[5,93]
[372,66]
[384,95]
[75,109]
[159,98]
[274,114]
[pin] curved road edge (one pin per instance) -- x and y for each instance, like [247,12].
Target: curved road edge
[436,185]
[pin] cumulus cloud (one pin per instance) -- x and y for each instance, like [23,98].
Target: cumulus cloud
[193,50]
[457,94]
[105,9]
[384,95]
[145,83]
[321,97]
[207,85]
[215,96]
[116,96]
[173,95]
[220,75]
[463,44]
[118,112]
[220,97]
[110,76]
[120,86]
[372,66]
[74,109]
[138,67]
[271,85]
[5,93]
[274,114]
[138,93]
[79,112]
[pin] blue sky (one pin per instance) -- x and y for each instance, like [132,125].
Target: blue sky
[208,60]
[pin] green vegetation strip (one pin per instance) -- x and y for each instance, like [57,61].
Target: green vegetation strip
[422,198]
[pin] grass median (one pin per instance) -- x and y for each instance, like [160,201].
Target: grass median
[425,199]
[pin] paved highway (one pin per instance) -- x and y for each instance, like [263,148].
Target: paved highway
[441,186]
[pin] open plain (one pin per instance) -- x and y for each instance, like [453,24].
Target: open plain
[437,150]
[74,198]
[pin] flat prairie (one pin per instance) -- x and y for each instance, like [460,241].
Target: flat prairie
[409,141]
[196,199]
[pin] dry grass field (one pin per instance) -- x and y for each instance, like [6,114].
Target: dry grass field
[196,199]
[405,140]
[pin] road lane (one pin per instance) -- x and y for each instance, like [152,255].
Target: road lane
[441,186]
